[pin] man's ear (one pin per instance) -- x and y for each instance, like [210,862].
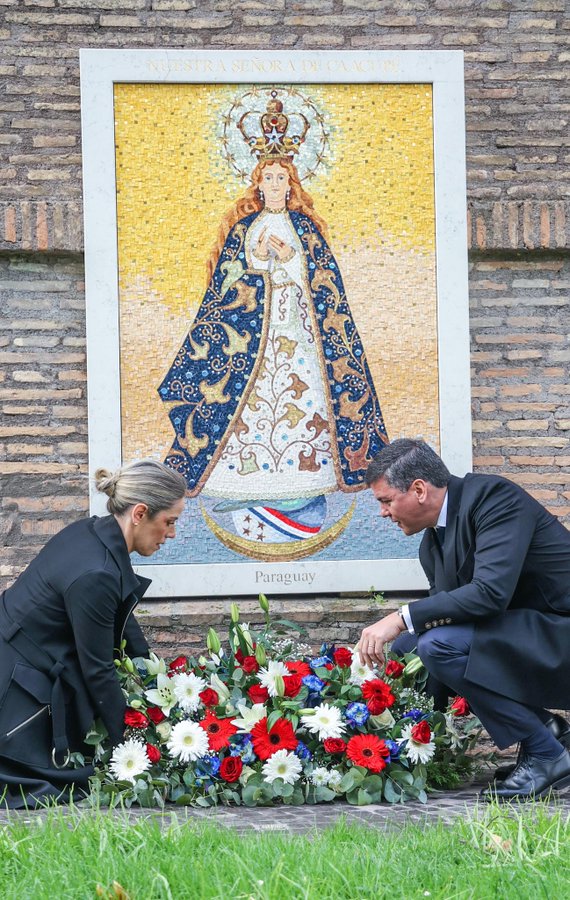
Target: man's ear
[419,487]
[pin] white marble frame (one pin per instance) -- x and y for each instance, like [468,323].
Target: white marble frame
[100,70]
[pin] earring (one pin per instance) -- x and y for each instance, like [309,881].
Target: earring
[287,195]
[260,193]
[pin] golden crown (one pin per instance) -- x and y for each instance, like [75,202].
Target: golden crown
[272,142]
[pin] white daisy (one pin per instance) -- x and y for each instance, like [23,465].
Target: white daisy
[320,776]
[187,687]
[249,716]
[129,760]
[359,673]
[282,764]
[163,694]
[188,741]
[335,779]
[415,750]
[267,676]
[325,721]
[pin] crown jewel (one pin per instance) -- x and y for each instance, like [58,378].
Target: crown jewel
[273,141]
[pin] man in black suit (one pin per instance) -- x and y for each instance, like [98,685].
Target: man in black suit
[496,624]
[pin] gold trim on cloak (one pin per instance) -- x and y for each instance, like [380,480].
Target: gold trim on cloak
[285,551]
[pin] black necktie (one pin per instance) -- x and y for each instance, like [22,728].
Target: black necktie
[440,534]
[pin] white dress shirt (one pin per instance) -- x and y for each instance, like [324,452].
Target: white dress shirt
[441,521]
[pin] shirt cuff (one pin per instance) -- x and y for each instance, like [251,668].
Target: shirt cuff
[407,618]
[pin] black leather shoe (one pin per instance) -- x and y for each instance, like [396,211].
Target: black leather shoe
[558,726]
[533,777]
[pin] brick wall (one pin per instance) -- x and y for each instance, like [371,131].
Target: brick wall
[517,106]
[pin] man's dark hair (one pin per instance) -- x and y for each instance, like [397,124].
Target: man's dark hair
[404,460]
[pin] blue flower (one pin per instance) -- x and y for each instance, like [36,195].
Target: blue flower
[319,661]
[415,714]
[302,751]
[313,683]
[328,651]
[244,748]
[393,747]
[357,714]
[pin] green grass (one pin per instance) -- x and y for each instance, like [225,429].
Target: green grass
[497,854]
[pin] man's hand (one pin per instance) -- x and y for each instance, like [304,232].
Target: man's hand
[373,638]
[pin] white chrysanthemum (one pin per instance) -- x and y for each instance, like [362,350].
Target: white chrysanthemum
[416,751]
[129,760]
[325,721]
[187,687]
[320,776]
[359,673]
[335,779]
[188,741]
[163,694]
[282,764]
[249,716]
[268,675]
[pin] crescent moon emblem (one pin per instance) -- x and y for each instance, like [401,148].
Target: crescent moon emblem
[285,551]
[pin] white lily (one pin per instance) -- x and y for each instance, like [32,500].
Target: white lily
[249,716]
[154,665]
[163,694]
[220,688]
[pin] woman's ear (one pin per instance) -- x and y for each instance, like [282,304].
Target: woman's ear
[138,513]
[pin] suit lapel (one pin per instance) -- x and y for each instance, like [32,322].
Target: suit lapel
[450,563]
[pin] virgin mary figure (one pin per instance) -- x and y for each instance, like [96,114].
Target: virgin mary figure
[270,396]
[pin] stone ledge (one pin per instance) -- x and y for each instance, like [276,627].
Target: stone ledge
[180,626]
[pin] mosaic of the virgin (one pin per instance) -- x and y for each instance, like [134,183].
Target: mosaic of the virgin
[270,395]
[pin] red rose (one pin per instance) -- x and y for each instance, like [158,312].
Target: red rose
[329,666]
[334,745]
[343,657]
[155,714]
[293,684]
[421,733]
[394,668]
[258,694]
[250,665]
[179,664]
[460,707]
[135,719]
[153,753]
[231,768]
[239,655]
[209,697]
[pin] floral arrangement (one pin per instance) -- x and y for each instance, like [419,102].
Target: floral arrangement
[266,722]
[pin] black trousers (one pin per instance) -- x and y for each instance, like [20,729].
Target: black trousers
[445,653]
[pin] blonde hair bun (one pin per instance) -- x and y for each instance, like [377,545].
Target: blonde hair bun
[106,482]
[146,481]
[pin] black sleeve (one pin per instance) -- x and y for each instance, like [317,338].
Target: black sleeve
[91,602]
[136,641]
[503,532]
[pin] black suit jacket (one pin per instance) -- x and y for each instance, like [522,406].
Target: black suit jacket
[72,604]
[505,568]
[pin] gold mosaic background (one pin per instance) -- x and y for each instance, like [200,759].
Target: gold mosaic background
[376,194]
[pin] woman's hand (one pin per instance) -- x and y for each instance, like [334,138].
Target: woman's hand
[261,249]
[282,250]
